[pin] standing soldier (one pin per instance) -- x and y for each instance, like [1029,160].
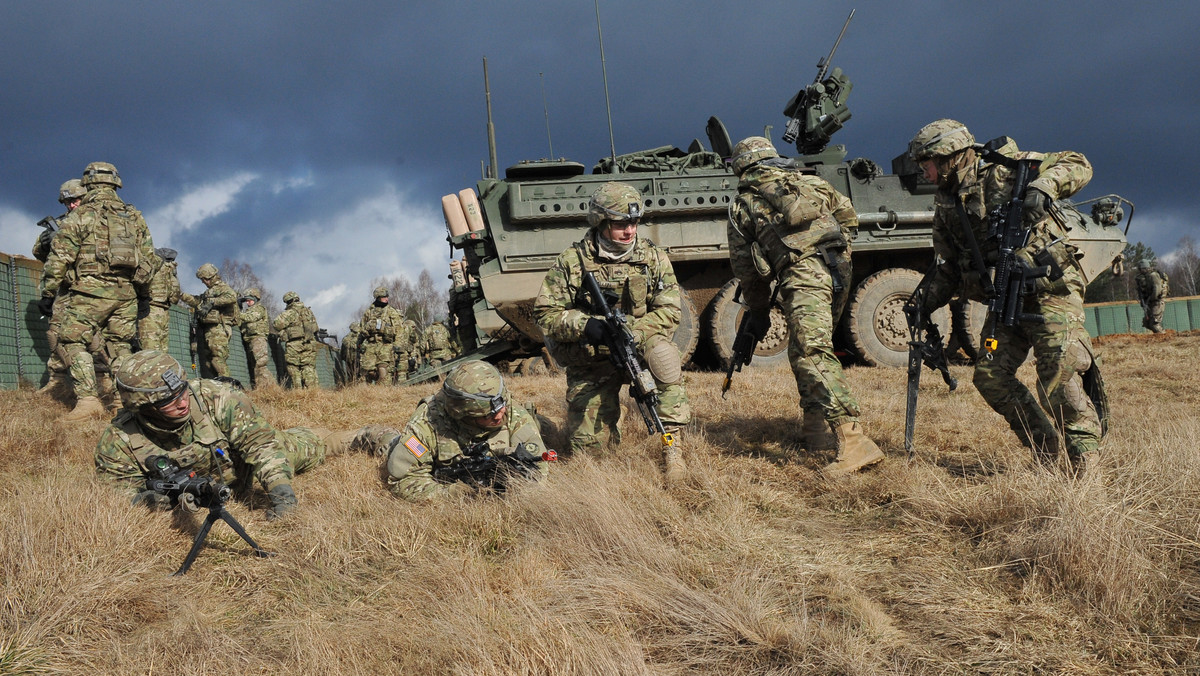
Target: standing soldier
[154,330]
[298,326]
[70,195]
[437,344]
[1152,286]
[408,350]
[216,313]
[792,227]
[102,259]
[349,351]
[255,326]
[643,281]
[968,188]
[381,326]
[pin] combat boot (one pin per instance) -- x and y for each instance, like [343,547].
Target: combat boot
[283,500]
[58,386]
[817,435]
[674,468]
[85,408]
[854,451]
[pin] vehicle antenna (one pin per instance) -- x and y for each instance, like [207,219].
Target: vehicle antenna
[612,145]
[546,108]
[491,129]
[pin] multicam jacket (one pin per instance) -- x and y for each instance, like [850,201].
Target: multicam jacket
[434,438]
[254,322]
[164,286]
[382,324]
[222,301]
[643,285]
[103,249]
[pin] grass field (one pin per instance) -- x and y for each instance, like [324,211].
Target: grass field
[970,559]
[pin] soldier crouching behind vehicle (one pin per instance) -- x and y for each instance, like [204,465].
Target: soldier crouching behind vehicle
[210,427]
[469,435]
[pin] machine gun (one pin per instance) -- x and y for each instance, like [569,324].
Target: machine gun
[623,352]
[927,350]
[744,343]
[192,492]
[819,110]
[479,467]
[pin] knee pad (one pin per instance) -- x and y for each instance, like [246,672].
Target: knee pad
[662,357]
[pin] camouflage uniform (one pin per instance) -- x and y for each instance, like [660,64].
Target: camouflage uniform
[219,303]
[70,194]
[408,350]
[154,330]
[649,295]
[255,327]
[349,351]
[440,431]
[297,325]
[437,344]
[381,325]
[102,259]
[1153,287]
[1061,344]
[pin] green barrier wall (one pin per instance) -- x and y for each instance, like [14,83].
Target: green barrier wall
[24,347]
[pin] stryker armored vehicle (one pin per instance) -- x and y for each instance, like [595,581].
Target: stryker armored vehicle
[511,230]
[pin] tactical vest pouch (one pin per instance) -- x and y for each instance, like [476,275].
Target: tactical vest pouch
[637,290]
[310,323]
[294,332]
[121,249]
[805,239]
[787,198]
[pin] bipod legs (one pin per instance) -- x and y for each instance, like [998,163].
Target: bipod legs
[214,513]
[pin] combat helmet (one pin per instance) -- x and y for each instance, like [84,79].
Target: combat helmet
[615,202]
[473,390]
[71,190]
[254,294]
[101,173]
[207,271]
[381,292]
[166,254]
[940,138]
[148,378]
[751,151]
[289,297]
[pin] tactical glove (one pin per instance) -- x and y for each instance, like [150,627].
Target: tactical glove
[594,331]
[759,322]
[157,502]
[46,306]
[1033,210]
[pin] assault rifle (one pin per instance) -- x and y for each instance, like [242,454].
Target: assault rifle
[622,350]
[927,350]
[479,467]
[50,223]
[744,343]
[185,488]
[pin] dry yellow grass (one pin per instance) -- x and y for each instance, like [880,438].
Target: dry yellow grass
[970,560]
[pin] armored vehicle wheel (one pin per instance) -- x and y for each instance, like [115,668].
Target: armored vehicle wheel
[687,336]
[877,326]
[723,325]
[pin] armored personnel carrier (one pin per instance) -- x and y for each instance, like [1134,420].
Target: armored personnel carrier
[510,231]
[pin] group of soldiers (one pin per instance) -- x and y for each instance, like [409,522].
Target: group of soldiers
[383,347]
[108,292]
[790,235]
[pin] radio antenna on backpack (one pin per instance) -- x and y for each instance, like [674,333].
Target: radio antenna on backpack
[612,145]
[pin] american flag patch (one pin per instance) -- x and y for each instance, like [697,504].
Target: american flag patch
[418,449]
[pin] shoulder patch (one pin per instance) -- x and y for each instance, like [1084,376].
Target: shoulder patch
[418,449]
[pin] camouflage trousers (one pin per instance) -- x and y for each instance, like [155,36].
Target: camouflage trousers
[806,296]
[376,355]
[94,326]
[295,450]
[1152,321]
[594,406]
[54,362]
[260,352]
[1063,350]
[400,371]
[216,337]
[301,358]
[154,330]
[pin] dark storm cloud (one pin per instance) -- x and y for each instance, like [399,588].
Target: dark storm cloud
[293,115]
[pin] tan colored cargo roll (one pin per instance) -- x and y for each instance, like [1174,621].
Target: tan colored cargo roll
[470,207]
[456,221]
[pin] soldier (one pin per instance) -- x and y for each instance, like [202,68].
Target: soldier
[216,313]
[472,406]
[255,327]
[640,274]
[349,351]
[298,326]
[1153,287]
[792,227]
[209,426]
[102,259]
[70,195]
[381,326]
[408,350]
[437,346]
[968,187]
[154,330]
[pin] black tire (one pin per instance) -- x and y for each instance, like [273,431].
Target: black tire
[878,327]
[724,317]
[687,336]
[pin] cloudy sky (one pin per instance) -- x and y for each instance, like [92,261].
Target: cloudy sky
[313,140]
